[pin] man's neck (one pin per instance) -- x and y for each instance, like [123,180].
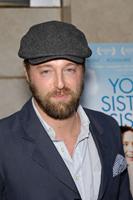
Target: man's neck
[65,125]
[66,130]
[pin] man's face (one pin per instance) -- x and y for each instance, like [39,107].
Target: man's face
[56,86]
[128,146]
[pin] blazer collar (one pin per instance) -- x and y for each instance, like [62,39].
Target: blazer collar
[44,151]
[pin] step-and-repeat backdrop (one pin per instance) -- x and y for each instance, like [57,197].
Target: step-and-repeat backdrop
[109,88]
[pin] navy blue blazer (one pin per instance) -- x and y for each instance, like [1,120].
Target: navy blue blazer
[32,169]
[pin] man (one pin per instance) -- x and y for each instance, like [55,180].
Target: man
[53,149]
[127,139]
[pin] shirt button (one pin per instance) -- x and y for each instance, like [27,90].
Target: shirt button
[62,150]
[77,177]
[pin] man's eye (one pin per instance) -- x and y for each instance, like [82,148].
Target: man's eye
[126,143]
[70,70]
[45,71]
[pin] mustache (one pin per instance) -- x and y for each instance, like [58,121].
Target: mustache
[64,91]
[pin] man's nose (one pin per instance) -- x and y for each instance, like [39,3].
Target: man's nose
[60,81]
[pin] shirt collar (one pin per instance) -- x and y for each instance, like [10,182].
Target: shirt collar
[48,129]
[84,130]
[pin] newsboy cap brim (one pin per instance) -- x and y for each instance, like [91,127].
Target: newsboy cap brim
[39,60]
[53,40]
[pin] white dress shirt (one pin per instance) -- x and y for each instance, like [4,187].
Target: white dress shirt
[84,165]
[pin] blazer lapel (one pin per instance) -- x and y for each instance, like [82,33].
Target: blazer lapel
[104,152]
[44,151]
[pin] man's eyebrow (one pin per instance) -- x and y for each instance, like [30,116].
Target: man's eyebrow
[44,65]
[71,64]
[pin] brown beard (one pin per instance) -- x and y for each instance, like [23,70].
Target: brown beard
[57,110]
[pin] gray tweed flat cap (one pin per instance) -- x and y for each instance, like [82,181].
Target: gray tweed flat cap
[54,40]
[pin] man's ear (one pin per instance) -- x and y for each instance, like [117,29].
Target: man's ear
[26,75]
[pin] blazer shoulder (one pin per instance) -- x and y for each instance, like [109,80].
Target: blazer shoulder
[9,118]
[100,116]
[104,122]
[106,125]
[13,121]
[8,124]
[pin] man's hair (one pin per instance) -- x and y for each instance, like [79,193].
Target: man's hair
[26,64]
[126,128]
